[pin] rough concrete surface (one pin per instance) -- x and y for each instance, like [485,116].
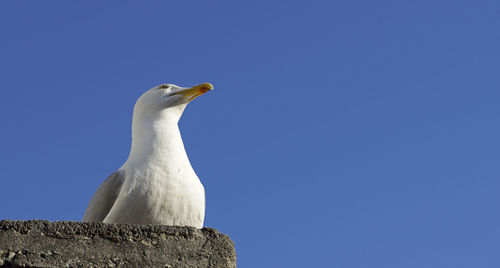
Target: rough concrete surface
[39,243]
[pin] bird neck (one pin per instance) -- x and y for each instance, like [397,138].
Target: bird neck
[156,139]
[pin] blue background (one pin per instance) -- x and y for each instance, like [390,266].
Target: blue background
[339,133]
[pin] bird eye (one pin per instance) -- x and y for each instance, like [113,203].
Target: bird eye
[164,86]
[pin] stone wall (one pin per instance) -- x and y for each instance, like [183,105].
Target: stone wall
[38,243]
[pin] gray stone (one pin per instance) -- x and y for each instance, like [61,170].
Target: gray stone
[39,243]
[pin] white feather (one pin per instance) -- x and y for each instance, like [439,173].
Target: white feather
[160,186]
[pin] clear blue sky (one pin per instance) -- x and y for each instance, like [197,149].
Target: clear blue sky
[339,133]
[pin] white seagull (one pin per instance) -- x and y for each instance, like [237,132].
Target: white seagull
[157,184]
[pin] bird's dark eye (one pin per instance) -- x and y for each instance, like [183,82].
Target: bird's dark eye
[164,86]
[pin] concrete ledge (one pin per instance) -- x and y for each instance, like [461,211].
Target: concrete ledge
[39,243]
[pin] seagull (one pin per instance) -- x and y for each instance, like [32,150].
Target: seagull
[156,185]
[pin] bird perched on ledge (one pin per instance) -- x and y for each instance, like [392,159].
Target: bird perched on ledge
[157,184]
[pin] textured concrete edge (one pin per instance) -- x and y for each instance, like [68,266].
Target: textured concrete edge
[68,228]
[222,245]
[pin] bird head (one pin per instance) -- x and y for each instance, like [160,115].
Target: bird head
[168,99]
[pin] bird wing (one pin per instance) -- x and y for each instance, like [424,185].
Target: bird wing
[105,197]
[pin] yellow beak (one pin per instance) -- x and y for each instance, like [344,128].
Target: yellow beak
[192,93]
